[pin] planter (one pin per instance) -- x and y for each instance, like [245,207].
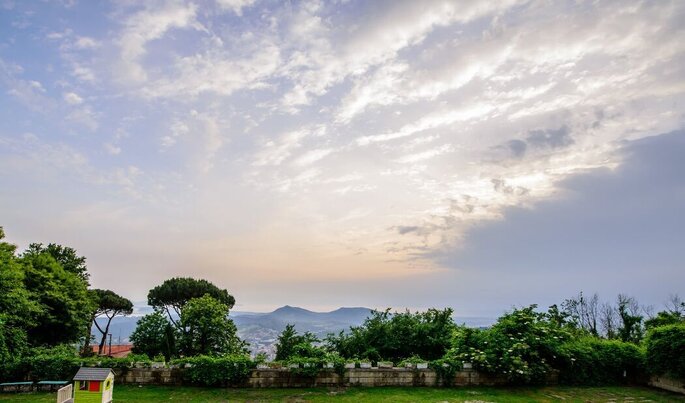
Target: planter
[158,365]
[262,366]
[329,365]
[422,365]
[364,365]
[350,365]
[409,365]
[468,365]
[293,365]
[385,364]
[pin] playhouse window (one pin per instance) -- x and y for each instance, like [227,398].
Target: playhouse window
[83,385]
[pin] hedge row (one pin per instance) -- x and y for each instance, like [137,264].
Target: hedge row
[665,353]
[592,361]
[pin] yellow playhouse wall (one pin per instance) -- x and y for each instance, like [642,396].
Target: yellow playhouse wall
[84,396]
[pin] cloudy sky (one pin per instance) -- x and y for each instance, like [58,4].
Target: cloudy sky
[477,155]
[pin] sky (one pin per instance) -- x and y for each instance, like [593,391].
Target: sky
[478,155]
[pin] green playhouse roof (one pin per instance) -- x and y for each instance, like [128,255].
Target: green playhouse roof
[92,374]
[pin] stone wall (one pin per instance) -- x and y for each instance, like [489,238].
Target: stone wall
[284,378]
[664,382]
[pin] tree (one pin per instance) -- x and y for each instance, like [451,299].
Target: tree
[207,330]
[153,336]
[109,304]
[65,307]
[608,319]
[17,311]
[291,344]
[175,293]
[584,312]
[66,256]
[630,329]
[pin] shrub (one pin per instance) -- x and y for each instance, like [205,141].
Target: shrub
[665,350]
[593,361]
[386,336]
[217,371]
[446,369]
[57,363]
[522,346]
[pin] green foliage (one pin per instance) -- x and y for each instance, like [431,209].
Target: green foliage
[446,369]
[631,323]
[17,310]
[64,304]
[175,293]
[56,363]
[665,318]
[311,366]
[521,346]
[153,336]
[292,344]
[665,350]
[393,337]
[594,361]
[65,256]
[60,363]
[223,371]
[207,330]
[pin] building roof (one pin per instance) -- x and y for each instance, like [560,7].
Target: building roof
[92,374]
[117,350]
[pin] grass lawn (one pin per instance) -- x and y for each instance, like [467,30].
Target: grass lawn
[131,394]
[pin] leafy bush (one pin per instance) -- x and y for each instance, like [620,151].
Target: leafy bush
[446,369]
[593,361]
[57,363]
[60,363]
[305,366]
[665,350]
[217,371]
[522,346]
[396,336]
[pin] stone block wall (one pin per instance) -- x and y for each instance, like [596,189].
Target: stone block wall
[671,384]
[284,378]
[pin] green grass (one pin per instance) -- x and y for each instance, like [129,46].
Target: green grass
[133,394]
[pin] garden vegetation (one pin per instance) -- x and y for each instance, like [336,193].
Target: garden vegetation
[47,311]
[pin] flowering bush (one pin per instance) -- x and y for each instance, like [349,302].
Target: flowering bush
[522,346]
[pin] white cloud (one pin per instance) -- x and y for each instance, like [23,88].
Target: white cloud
[432,121]
[72,98]
[84,42]
[312,156]
[147,25]
[372,41]
[275,152]
[216,72]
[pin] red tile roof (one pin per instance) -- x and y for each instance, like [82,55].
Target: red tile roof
[118,350]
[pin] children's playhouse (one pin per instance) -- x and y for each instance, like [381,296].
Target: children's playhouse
[93,385]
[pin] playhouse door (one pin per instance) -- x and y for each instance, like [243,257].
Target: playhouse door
[94,386]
